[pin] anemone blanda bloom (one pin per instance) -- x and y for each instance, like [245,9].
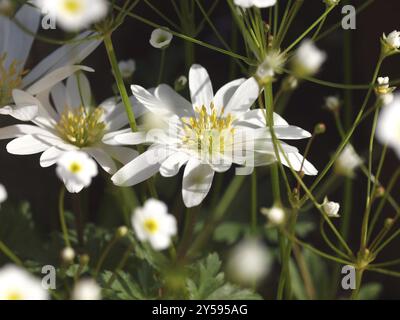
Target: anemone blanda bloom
[76,169]
[153,223]
[17,284]
[207,135]
[73,15]
[388,128]
[15,45]
[71,122]
[255,3]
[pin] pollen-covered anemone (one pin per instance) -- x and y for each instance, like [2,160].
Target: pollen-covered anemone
[68,119]
[207,135]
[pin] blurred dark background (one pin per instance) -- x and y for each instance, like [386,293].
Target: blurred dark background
[26,180]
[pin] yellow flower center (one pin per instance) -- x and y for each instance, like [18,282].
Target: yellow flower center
[72,6]
[10,79]
[14,295]
[81,127]
[75,167]
[208,132]
[151,225]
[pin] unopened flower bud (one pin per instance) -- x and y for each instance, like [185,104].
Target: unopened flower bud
[180,83]
[332,103]
[68,255]
[391,42]
[331,208]
[122,231]
[84,259]
[290,83]
[380,192]
[389,222]
[320,128]
[332,2]
[275,215]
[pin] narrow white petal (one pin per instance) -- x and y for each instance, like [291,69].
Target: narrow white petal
[244,97]
[50,156]
[224,95]
[295,161]
[24,112]
[20,130]
[103,159]
[69,54]
[78,91]
[58,75]
[201,91]
[197,181]
[173,101]
[26,145]
[19,42]
[138,170]
[121,154]
[171,166]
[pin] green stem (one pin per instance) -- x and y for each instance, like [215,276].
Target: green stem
[7,251]
[61,211]
[162,64]
[254,201]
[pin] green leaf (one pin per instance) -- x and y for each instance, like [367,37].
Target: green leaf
[122,287]
[370,291]
[228,232]
[206,282]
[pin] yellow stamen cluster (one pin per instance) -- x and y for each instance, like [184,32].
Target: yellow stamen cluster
[75,167]
[208,131]
[81,127]
[72,6]
[10,79]
[14,295]
[151,226]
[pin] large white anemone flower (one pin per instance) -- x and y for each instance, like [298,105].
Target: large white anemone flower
[69,122]
[15,45]
[73,15]
[388,129]
[208,135]
[17,284]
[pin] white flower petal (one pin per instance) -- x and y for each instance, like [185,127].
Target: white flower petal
[121,154]
[58,75]
[69,54]
[171,166]
[295,160]
[26,145]
[197,181]
[138,170]
[244,97]
[225,93]
[78,91]
[201,91]
[50,157]
[175,102]
[103,159]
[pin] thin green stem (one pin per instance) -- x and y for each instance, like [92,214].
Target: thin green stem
[61,211]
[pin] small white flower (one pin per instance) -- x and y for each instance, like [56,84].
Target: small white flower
[73,15]
[308,59]
[3,194]
[160,38]
[348,161]
[392,40]
[76,169]
[249,262]
[18,284]
[255,3]
[272,64]
[332,103]
[127,68]
[275,215]
[86,289]
[383,82]
[388,128]
[331,208]
[68,254]
[387,98]
[153,223]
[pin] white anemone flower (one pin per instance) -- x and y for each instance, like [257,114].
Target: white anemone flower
[249,262]
[153,223]
[392,40]
[275,215]
[308,59]
[3,194]
[76,169]
[74,15]
[86,289]
[207,135]
[331,208]
[255,3]
[160,38]
[71,122]
[127,68]
[388,128]
[18,284]
[348,161]
[15,45]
